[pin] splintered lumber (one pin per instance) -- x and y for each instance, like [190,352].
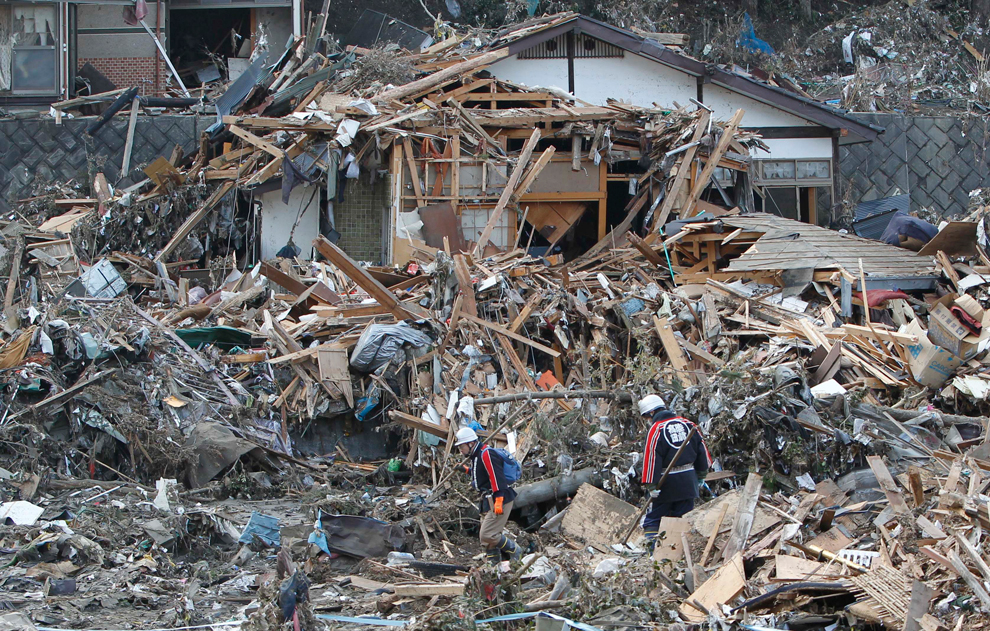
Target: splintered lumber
[534,172]
[207,368]
[921,598]
[193,221]
[888,486]
[974,555]
[510,187]
[452,72]
[360,276]
[463,274]
[745,513]
[723,587]
[507,333]
[712,162]
[686,165]
[63,396]
[971,580]
[429,589]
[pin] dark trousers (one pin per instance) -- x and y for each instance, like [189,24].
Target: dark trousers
[659,510]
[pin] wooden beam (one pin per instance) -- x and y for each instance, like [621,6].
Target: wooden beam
[510,187]
[674,352]
[125,167]
[463,274]
[360,276]
[13,280]
[411,162]
[506,332]
[257,141]
[436,78]
[193,220]
[533,172]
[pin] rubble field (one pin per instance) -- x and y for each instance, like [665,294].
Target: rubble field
[185,428]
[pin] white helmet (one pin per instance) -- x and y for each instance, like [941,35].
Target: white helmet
[650,403]
[465,435]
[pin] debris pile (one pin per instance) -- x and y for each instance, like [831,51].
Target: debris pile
[183,418]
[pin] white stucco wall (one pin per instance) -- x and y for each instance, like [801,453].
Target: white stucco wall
[632,79]
[725,103]
[277,220]
[544,73]
[783,148]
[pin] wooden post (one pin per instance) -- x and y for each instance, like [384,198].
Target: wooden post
[129,143]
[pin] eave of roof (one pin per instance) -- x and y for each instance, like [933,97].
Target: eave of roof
[850,129]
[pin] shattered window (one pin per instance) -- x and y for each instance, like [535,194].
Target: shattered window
[778,170]
[28,54]
[813,170]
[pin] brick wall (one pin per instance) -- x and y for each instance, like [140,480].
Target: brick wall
[127,72]
[362,218]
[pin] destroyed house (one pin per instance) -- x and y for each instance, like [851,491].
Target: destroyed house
[595,62]
[51,51]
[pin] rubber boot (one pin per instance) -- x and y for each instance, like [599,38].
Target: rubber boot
[509,547]
[651,539]
[493,555]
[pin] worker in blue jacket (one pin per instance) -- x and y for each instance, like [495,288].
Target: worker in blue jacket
[487,476]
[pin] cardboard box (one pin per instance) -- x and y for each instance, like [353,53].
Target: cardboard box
[945,329]
[930,364]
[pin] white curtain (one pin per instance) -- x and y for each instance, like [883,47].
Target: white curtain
[6,46]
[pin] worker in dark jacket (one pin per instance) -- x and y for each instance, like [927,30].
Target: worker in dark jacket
[667,433]
[488,476]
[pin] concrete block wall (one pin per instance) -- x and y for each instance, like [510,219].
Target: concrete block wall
[363,218]
[39,151]
[937,160]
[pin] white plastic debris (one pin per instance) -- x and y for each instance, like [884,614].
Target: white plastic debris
[21,513]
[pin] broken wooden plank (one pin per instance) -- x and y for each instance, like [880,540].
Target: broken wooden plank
[463,274]
[674,351]
[728,133]
[257,141]
[429,589]
[723,587]
[457,70]
[887,485]
[745,513]
[193,220]
[686,165]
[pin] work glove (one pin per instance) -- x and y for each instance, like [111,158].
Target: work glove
[498,505]
[467,469]
[701,482]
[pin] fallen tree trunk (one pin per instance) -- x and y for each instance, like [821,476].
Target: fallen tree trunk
[907,415]
[554,488]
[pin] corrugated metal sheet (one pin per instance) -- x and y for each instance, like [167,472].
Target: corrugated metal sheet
[877,206]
